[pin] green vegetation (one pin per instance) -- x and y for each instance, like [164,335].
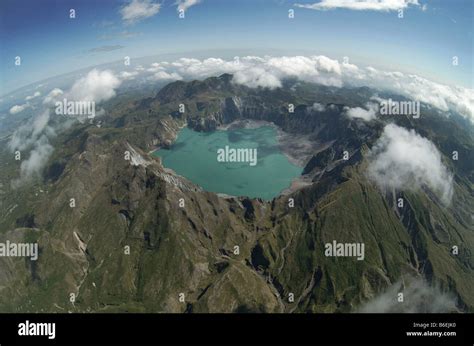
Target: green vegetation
[127,245]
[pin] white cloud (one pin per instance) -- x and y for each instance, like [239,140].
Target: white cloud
[402,159]
[36,94]
[417,88]
[195,68]
[52,96]
[29,133]
[96,86]
[161,75]
[138,10]
[365,114]
[36,161]
[318,107]
[262,72]
[185,4]
[125,75]
[18,108]
[257,77]
[360,5]
[294,66]
[269,72]
[155,67]
[317,69]
[34,134]
[418,296]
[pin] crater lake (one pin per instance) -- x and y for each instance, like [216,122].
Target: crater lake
[195,156]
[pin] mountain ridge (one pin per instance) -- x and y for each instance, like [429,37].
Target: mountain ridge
[191,250]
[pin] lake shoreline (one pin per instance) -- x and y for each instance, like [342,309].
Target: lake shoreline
[193,156]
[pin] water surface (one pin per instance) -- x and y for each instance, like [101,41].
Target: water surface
[194,156]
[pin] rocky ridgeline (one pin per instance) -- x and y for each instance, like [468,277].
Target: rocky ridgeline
[141,238]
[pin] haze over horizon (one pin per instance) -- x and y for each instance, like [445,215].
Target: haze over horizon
[50,43]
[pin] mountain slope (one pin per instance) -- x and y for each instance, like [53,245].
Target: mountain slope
[127,245]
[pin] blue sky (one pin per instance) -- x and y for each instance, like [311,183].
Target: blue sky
[50,43]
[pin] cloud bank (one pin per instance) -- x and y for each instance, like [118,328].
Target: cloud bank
[269,72]
[360,5]
[403,160]
[96,86]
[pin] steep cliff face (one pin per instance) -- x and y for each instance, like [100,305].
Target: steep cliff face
[141,238]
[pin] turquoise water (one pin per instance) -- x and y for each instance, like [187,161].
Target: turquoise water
[194,156]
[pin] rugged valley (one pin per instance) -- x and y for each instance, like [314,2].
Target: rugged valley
[128,245]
